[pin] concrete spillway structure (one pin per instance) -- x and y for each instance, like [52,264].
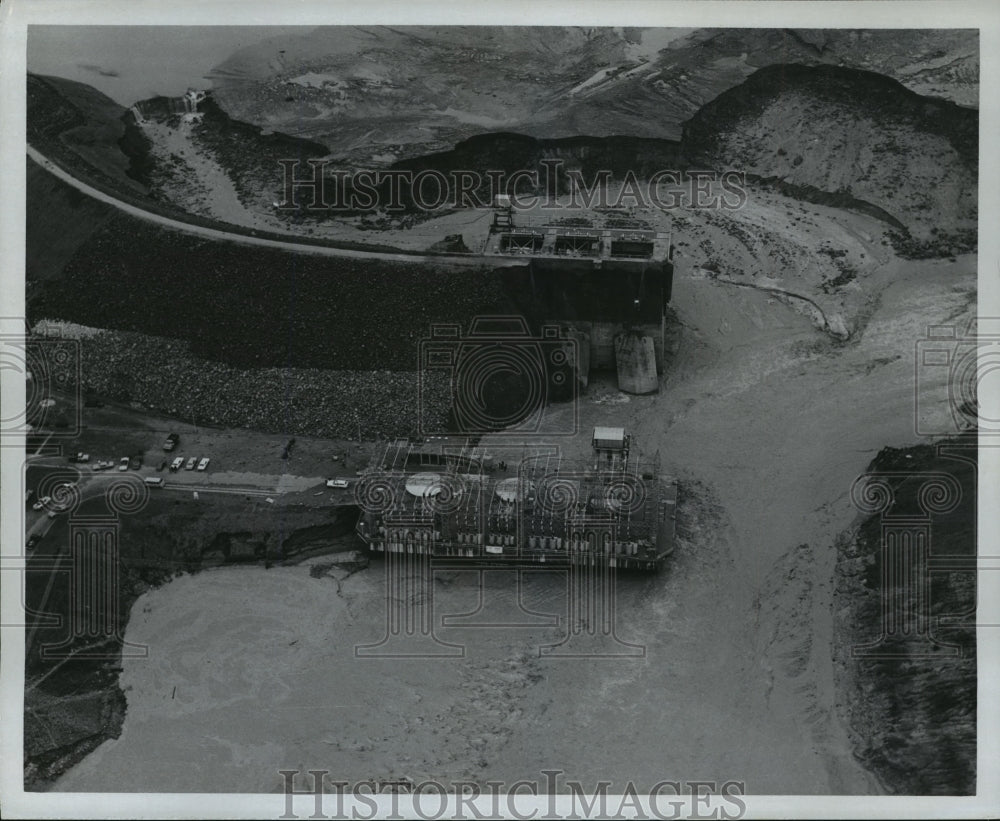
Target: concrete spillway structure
[162,107]
[635,359]
[609,286]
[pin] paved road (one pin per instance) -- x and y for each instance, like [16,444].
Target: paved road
[227,236]
[91,482]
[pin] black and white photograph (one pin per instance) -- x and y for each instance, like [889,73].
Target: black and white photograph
[552,413]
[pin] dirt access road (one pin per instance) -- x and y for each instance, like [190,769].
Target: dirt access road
[227,236]
[766,421]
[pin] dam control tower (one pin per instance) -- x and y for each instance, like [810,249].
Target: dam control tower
[609,284]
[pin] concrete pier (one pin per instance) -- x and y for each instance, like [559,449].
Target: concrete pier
[581,350]
[635,358]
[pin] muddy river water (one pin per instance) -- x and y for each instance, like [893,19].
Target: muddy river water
[721,667]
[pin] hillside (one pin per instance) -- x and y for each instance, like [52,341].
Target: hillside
[509,152]
[402,91]
[377,91]
[425,98]
[697,68]
[822,134]
[58,220]
[849,131]
[912,706]
[78,125]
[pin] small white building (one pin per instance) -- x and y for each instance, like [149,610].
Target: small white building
[611,446]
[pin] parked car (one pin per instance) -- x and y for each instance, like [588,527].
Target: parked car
[204,463]
[171,442]
[176,464]
[51,514]
[135,462]
[28,494]
[80,457]
[191,463]
[341,483]
[104,464]
[41,502]
[155,481]
[163,464]
[123,463]
[33,540]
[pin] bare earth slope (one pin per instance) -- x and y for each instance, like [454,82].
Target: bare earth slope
[77,124]
[912,704]
[843,130]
